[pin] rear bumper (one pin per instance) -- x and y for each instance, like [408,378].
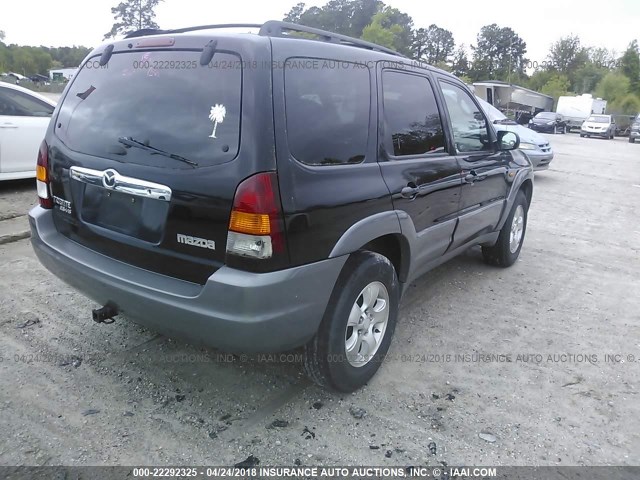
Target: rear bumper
[233,311]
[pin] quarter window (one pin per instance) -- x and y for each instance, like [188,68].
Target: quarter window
[470,132]
[412,121]
[327,111]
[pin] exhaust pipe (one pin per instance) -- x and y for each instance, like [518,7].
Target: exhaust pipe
[105,314]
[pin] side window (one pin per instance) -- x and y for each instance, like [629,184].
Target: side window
[470,130]
[411,117]
[327,112]
[18,104]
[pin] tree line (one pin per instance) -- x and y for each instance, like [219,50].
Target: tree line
[499,53]
[29,61]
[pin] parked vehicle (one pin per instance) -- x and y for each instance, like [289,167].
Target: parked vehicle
[623,124]
[24,117]
[634,131]
[534,145]
[262,209]
[599,126]
[576,109]
[548,122]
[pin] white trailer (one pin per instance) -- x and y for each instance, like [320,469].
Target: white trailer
[576,110]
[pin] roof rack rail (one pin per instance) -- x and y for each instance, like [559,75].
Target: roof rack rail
[152,31]
[275,28]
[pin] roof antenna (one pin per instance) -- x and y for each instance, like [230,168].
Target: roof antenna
[208,52]
[106,55]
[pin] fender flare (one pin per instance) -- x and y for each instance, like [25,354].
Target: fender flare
[376,226]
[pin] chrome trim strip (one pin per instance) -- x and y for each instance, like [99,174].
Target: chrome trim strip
[112,180]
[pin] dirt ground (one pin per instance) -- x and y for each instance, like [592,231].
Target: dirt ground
[487,367]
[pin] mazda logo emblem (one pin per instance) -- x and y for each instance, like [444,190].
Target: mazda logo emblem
[109,178]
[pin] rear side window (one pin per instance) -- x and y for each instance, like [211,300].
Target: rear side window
[18,104]
[327,111]
[163,99]
[412,120]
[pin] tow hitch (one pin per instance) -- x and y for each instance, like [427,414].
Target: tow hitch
[105,314]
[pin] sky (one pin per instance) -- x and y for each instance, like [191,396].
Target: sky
[607,23]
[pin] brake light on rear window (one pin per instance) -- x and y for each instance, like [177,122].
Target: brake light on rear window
[42,176]
[256,227]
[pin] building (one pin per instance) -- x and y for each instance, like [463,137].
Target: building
[62,74]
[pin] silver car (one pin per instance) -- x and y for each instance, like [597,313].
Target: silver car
[534,145]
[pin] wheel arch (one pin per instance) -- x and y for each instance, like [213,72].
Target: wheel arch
[379,233]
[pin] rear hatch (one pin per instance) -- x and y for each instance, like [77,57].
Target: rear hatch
[147,150]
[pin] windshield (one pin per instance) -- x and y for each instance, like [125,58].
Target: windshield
[492,112]
[598,119]
[164,100]
[546,116]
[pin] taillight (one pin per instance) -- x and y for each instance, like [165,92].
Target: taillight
[256,226]
[42,176]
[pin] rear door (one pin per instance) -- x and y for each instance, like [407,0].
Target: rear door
[147,153]
[484,169]
[423,177]
[23,124]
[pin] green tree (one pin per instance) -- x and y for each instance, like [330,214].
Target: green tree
[132,15]
[376,32]
[460,62]
[351,17]
[433,44]
[627,105]
[614,87]
[630,66]
[295,13]
[556,86]
[498,55]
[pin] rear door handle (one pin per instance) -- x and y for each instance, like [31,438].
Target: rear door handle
[410,191]
[8,125]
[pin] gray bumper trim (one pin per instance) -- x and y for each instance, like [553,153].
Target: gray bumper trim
[233,311]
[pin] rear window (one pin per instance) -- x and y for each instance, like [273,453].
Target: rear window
[327,111]
[163,99]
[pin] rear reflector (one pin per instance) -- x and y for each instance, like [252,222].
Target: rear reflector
[42,176]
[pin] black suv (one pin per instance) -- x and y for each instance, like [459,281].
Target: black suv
[263,192]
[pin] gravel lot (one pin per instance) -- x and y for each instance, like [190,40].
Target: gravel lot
[76,393]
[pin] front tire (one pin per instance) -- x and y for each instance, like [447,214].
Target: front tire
[358,324]
[507,249]
[632,140]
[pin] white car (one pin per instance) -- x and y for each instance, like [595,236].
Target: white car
[24,118]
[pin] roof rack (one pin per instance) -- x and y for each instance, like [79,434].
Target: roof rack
[275,28]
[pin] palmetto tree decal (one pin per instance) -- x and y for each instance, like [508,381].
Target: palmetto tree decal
[217,114]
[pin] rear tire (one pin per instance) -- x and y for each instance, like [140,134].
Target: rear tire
[507,249]
[632,140]
[564,130]
[555,130]
[582,135]
[358,324]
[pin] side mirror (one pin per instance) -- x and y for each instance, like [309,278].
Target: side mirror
[508,140]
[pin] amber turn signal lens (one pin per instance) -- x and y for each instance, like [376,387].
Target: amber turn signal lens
[251,223]
[42,174]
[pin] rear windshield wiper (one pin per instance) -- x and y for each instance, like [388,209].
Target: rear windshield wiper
[132,142]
